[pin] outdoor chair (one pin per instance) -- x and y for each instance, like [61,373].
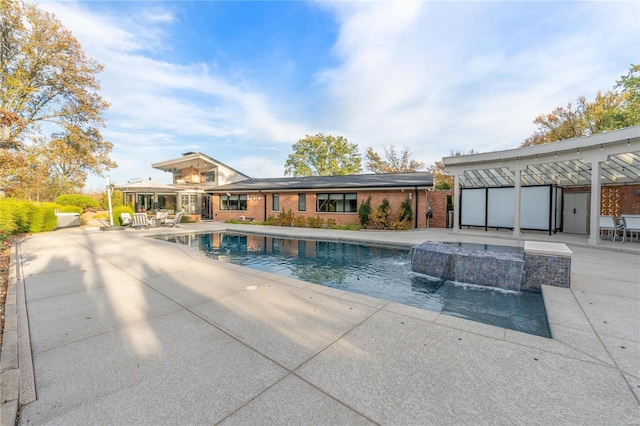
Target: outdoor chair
[621,226]
[140,220]
[632,225]
[175,221]
[125,219]
[162,217]
[607,224]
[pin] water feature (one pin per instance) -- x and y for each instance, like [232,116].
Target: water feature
[376,271]
[495,266]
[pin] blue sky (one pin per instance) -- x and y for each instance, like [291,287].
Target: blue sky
[243,81]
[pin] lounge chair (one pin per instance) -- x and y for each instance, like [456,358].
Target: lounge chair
[125,219]
[140,220]
[175,221]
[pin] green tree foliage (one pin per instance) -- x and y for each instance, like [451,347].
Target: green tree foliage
[45,77]
[614,109]
[630,85]
[394,162]
[322,155]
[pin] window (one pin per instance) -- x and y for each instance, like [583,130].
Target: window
[302,202]
[275,202]
[209,176]
[233,202]
[189,203]
[144,202]
[166,201]
[330,203]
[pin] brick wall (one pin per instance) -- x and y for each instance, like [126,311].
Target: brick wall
[289,201]
[615,200]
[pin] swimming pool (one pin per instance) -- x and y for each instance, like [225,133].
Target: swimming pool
[375,271]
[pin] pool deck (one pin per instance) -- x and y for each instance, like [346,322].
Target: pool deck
[129,330]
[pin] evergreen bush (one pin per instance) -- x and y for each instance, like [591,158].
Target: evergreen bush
[116,214]
[365,212]
[85,202]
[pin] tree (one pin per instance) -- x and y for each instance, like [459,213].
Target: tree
[630,85]
[46,80]
[442,179]
[395,162]
[611,110]
[322,155]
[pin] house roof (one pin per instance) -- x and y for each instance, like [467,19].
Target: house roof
[196,160]
[364,181]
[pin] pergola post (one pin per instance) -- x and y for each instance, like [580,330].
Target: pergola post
[594,219]
[516,200]
[456,202]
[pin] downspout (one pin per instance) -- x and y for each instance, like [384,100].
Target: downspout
[415,216]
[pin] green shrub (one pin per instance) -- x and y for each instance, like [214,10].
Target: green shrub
[271,220]
[286,218]
[116,214]
[440,186]
[70,209]
[19,216]
[348,227]
[365,211]
[315,222]
[406,213]
[300,221]
[49,220]
[331,223]
[116,200]
[8,209]
[85,202]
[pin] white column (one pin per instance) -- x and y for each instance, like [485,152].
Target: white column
[594,221]
[516,201]
[456,203]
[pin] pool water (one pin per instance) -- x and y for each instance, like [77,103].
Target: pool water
[375,271]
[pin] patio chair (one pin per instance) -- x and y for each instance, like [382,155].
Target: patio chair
[140,220]
[607,224]
[162,217]
[125,219]
[175,221]
[621,226]
[632,225]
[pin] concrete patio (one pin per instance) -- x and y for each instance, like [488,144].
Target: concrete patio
[126,329]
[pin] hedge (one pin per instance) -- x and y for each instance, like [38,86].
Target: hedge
[19,216]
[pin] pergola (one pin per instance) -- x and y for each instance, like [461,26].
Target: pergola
[590,161]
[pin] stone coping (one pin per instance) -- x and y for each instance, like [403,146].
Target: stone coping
[547,249]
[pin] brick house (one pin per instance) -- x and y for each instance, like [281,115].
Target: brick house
[207,189]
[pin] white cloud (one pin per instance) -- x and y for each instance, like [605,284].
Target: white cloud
[157,104]
[430,76]
[440,76]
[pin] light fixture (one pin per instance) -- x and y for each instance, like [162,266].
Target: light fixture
[601,147]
